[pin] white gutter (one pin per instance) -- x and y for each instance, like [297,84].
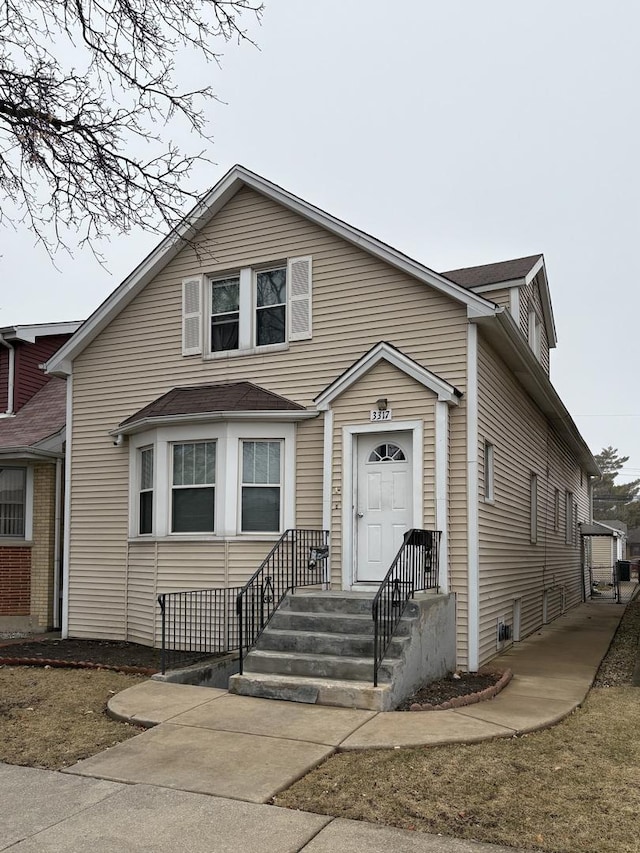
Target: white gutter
[11,377]
[280,415]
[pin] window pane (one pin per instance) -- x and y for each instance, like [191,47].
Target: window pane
[224,296]
[146,512]
[12,500]
[271,287]
[270,323]
[225,333]
[261,509]
[194,464]
[261,462]
[192,510]
[146,468]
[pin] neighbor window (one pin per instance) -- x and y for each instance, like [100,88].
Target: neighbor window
[556,510]
[260,487]
[534,508]
[488,472]
[12,501]
[193,487]
[145,515]
[225,314]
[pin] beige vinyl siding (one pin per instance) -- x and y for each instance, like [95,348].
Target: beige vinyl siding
[500,297]
[530,295]
[511,567]
[357,301]
[409,400]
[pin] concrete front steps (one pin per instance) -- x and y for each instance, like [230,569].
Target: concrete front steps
[318,649]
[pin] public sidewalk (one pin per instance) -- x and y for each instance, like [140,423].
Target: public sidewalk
[199,779]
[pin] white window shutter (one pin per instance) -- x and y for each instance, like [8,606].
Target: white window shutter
[299,286]
[192,316]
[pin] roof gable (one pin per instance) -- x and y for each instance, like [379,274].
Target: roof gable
[384,351]
[203,212]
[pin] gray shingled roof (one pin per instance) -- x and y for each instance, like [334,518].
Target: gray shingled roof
[219,397]
[471,277]
[44,415]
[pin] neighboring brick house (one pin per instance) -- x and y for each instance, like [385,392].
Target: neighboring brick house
[32,436]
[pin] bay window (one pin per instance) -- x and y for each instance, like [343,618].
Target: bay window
[145,505]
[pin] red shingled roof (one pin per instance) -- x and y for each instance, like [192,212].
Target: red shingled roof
[44,415]
[219,397]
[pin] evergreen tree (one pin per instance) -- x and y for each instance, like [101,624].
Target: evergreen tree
[611,500]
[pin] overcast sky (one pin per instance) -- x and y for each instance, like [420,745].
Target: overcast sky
[461,133]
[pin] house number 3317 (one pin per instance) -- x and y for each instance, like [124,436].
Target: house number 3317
[384,415]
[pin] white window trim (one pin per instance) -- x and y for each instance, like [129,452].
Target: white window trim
[138,480]
[228,436]
[6,541]
[489,473]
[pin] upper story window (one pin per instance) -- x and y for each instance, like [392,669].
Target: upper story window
[271,306]
[13,497]
[247,309]
[225,314]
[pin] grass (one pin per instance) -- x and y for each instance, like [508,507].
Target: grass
[574,788]
[52,718]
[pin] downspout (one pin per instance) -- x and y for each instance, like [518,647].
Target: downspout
[57,576]
[11,376]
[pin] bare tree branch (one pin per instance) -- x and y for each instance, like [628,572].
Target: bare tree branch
[84,86]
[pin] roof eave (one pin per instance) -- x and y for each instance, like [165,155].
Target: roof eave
[279,415]
[503,333]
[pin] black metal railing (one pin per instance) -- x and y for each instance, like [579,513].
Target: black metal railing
[414,569]
[196,624]
[297,559]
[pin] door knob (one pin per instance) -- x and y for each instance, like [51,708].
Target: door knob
[360,514]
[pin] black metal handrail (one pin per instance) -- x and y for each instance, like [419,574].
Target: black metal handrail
[197,623]
[297,559]
[414,569]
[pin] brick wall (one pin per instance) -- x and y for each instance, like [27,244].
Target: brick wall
[15,581]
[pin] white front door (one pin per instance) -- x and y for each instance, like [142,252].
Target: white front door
[383,502]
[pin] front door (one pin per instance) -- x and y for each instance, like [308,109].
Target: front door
[383,502]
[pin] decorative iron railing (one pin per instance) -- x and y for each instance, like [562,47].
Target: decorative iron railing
[196,624]
[297,559]
[414,569]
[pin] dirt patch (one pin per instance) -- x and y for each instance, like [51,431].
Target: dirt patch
[52,718]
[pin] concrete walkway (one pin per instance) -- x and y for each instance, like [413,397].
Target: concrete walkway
[208,741]
[241,750]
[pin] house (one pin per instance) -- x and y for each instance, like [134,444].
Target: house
[633,544]
[277,368]
[32,422]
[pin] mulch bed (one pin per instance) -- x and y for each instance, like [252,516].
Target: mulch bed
[456,690]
